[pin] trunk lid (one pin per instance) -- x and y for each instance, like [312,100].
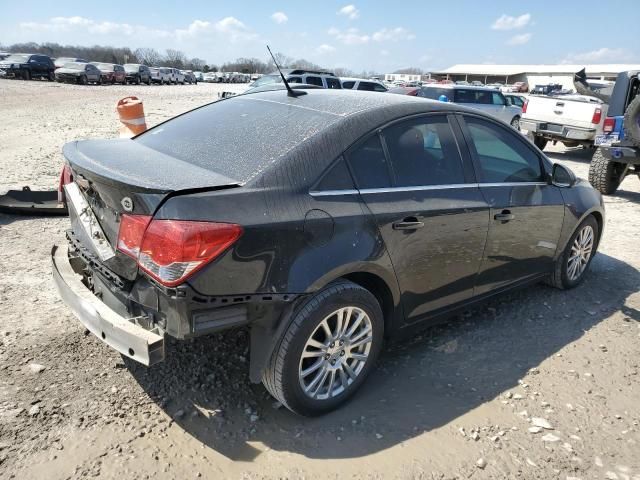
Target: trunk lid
[123,176]
[563,110]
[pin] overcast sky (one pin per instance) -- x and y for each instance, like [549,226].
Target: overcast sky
[380,36]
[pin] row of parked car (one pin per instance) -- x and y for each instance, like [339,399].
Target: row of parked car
[78,70]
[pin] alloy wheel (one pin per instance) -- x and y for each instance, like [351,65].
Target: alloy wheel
[335,353]
[580,254]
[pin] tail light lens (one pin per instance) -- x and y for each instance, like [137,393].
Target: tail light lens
[66,177]
[609,125]
[170,251]
[131,233]
[597,116]
[524,107]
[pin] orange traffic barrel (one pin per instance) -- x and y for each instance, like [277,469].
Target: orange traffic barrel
[132,116]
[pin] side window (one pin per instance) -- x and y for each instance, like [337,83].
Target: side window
[348,84]
[369,164]
[294,80]
[335,178]
[367,86]
[333,82]
[379,88]
[424,152]
[502,156]
[311,80]
[497,98]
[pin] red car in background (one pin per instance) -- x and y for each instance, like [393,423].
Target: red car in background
[111,72]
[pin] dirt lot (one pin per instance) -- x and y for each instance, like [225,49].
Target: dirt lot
[538,384]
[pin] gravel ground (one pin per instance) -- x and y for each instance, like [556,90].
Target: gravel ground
[537,384]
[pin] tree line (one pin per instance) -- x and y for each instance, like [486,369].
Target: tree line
[178,59]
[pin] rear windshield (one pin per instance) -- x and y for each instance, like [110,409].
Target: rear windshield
[131,67]
[238,137]
[17,58]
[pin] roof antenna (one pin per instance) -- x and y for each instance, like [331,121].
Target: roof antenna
[290,91]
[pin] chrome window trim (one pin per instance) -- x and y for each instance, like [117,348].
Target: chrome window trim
[416,188]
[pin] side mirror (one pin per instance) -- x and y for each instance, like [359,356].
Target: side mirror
[561,176]
[508,102]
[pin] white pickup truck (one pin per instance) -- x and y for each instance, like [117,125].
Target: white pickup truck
[571,119]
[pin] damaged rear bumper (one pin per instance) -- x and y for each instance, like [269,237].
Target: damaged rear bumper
[120,333]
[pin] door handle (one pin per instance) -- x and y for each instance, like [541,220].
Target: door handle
[504,216]
[409,223]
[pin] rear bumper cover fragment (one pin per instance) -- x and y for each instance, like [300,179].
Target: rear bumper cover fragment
[120,333]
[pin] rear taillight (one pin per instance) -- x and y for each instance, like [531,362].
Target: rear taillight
[524,106]
[597,116]
[65,177]
[131,233]
[609,125]
[170,251]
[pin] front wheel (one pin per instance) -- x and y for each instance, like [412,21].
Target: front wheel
[604,174]
[515,123]
[537,140]
[51,76]
[26,75]
[328,350]
[574,262]
[84,80]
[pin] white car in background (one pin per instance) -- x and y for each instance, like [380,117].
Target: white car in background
[176,76]
[350,83]
[160,75]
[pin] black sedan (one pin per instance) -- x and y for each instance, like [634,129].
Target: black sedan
[325,220]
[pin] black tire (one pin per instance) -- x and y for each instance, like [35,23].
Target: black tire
[560,278]
[632,121]
[84,80]
[137,81]
[537,140]
[281,375]
[604,175]
[51,76]
[148,82]
[515,123]
[26,75]
[99,82]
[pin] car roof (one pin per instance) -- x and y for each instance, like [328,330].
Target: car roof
[355,79]
[455,87]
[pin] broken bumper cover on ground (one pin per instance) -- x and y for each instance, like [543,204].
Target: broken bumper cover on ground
[121,334]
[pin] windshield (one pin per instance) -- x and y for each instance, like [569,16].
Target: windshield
[238,137]
[131,67]
[104,66]
[17,58]
[74,66]
[267,79]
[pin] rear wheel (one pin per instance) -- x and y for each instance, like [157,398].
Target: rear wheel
[515,123]
[51,76]
[605,175]
[137,80]
[26,75]
[84,80]
[328,350]
[574,262]
[537,140]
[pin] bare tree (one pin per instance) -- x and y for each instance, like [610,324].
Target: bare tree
[149,56]
[175,58]
[197,63]
[283,60]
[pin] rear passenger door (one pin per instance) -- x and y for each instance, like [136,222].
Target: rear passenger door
[429,211]
[526,211]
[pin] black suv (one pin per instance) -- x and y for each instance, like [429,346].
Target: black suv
[28,66]
[136,73]
[618,153]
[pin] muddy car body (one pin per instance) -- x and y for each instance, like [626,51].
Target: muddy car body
[320,229]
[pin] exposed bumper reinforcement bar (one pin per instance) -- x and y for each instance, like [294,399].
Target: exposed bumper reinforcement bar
[121,334]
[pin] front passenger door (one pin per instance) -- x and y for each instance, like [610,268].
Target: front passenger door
[526,211]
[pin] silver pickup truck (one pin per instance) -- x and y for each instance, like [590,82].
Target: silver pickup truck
[571,119]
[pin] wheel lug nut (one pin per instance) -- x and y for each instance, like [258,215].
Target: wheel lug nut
[342,353]
[333,362]
[326,357]
[332,344]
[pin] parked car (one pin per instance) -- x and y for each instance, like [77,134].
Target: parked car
[82,73]
[199,76]
[517,100]
[4,55]
[490,101]
[62,61]
[618,147]
[321,266]
[137,73]
[176,76]
[571,119]
[189,77]
[298,75]
[111,72]
[362,84]
[545,89]
[210,77]
[27,66]
[160,75]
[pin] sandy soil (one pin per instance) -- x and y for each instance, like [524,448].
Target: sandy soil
[464,400]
